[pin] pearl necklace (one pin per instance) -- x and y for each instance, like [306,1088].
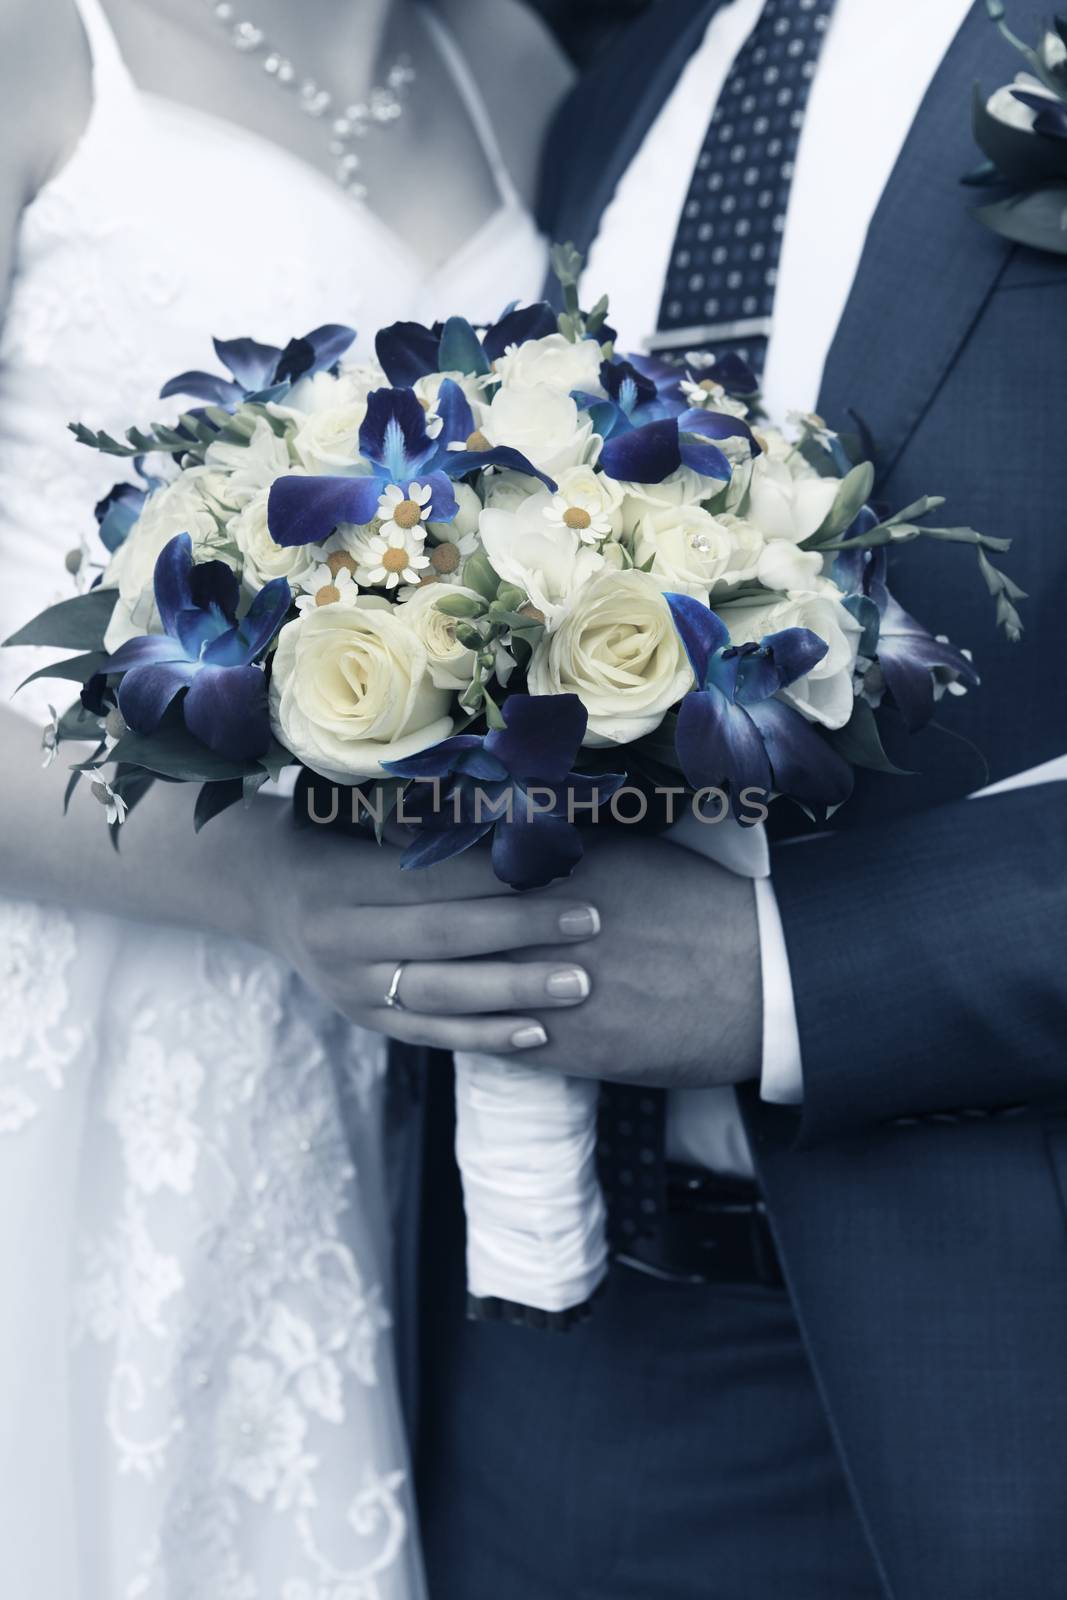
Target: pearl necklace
[384,102]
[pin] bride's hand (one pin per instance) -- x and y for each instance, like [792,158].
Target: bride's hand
[343,914]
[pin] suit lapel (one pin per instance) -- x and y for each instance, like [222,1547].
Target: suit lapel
[927,267]
[604,122]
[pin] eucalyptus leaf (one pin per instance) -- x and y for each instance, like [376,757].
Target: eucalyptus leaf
[76,624]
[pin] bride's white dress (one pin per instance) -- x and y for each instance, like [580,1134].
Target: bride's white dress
[197,1396]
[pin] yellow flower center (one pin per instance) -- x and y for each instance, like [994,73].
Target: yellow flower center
[395,560]
[478,441]
[328,595]
[408,514]
[340,561]
[444,557]
[578,519]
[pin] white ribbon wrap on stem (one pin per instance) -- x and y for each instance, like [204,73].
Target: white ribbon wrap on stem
[526,1147]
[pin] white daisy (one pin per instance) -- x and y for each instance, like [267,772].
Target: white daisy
[590,522]
[405,512]
[711,396]
[392,555]
[332,584]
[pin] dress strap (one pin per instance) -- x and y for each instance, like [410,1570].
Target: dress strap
[109,68]
[472,97]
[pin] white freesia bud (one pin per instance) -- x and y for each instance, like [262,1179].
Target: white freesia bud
[824,694]
[694,552]
[553,363]
[451,663]
[783,566]
[787,507]
[618,650]
[544,424]
[351,688]
[465,522]
[549,562]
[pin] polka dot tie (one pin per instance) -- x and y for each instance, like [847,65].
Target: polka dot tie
[719,293]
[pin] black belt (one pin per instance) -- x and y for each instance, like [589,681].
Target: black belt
[714,1230]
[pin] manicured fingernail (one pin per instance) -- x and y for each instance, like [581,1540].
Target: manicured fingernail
[569,983]
[530,1037]
[581,922]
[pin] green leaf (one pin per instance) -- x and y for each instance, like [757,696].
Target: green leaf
[76,624]
[74,669]
[172,752]
[461,350]
[215,798]
[276,759]
[852,496]
[1037,217]
[77,723]
[72,783]
[860,743]
[493,714]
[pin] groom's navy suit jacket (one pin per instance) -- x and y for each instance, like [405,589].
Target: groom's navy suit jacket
[919,1197]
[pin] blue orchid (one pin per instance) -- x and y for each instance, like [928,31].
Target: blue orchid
[263,371]
[912,661]
[203,649]
[117,512]
[516,783]
[733,734]
[400,454]
[408,351]
[651,452]
[634,397]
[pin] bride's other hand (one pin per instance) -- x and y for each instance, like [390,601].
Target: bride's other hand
[343,913]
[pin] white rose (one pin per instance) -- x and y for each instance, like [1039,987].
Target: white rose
[694,552]
[683,487]
[451,663]
[328,441]
[506,490]
[553,363]
[249,467]
[188,505]
[542,423]
[786,507]
[465,521]
[263,559]
[825,693]
[351,688]
[324,391]
[550,563]
[619,651]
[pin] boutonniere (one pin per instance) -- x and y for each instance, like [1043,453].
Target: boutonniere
[1022,131]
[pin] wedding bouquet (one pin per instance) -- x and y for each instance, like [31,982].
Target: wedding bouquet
[499,583]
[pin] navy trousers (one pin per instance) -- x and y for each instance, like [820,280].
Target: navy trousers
[671,1448]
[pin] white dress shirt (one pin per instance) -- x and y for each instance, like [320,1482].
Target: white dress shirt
[876,64]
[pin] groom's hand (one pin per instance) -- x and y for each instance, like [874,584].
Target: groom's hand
[676,994]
